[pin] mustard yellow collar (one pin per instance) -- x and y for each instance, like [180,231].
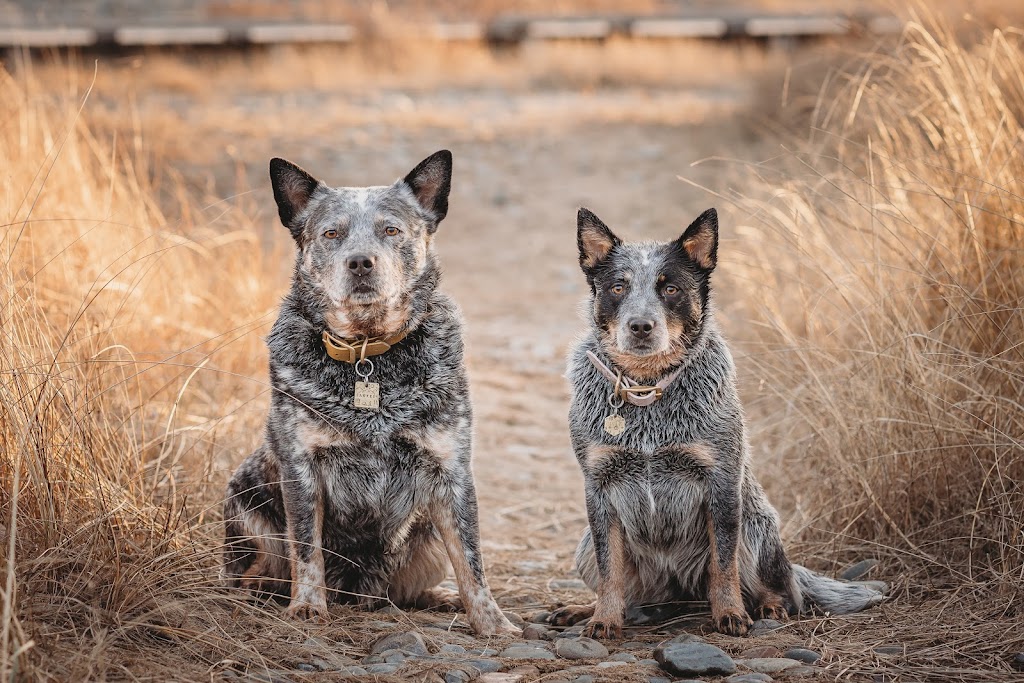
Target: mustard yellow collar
[353,350]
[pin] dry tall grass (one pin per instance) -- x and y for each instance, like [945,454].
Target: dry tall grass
[888,283]
[114,390]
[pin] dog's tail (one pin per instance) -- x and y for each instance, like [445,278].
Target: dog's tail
[837,597]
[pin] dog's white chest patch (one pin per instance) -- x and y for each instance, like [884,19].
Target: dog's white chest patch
[367,395]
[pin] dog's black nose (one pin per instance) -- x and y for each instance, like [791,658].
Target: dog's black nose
[641,329]
[360,265]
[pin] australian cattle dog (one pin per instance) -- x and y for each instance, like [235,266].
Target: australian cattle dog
[675,511]
[362,488]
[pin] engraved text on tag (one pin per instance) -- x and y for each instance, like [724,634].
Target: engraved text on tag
[367,395]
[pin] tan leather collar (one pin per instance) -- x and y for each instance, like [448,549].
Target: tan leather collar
[350,351]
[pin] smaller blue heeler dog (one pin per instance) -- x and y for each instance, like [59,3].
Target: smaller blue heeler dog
[656,423]
[363,486]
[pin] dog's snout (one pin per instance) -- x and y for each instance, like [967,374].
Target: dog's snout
[360,265]
[641,328]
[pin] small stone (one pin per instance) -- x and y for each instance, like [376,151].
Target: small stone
[573,631]
[685,638]
[457,676]
[801,654]
[482,651]
[516,620]
[889,650]
[531,672]
[1018,661]
[393,656]
[390,609]
[685,659]
[525,652]
[567,584]
[535,632]
[750,678]
[802,671]
[409,642]
[858,570]
[580,648]
[302,666]
[373,659]
[648,662]
[539,617]
[453,649]
[485,665]
[501,678]
[623,657]
[764,626]
[768,665]
[382,668]
[761,652]
[354,671]
[585,678]
[658,679]
[611,665]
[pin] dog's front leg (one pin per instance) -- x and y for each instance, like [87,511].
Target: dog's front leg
[724,509]
[457,519]
[304,511]
[606,531]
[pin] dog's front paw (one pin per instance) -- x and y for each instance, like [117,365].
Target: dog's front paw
[604,628]
[300,610]
[733,623]
[570,615]
[493,623]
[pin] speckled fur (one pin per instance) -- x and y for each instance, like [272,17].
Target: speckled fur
[351,504]
[676,486]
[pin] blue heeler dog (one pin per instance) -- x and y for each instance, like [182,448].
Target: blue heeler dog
[675,512]
[363,486]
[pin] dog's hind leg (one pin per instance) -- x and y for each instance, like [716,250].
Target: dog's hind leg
[255,556]
[767,575]
[423,565]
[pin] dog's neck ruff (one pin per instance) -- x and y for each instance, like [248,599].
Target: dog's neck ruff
[355,350]
[629,390]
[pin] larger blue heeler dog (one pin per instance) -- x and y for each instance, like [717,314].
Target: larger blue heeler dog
[675,511]
[363,486]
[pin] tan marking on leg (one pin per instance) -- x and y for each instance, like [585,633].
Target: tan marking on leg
[598,455]
[483,613]
[698,452]
[724,594]
[611,590]
[314,433]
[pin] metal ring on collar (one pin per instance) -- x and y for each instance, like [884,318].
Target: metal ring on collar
[359,365]
[612,398]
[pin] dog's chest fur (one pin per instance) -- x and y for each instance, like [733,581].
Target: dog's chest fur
[655,471]
[378,468]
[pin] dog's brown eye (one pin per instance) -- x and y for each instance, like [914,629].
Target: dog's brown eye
[331,234]
[391,231]
[617,288]
[670,290]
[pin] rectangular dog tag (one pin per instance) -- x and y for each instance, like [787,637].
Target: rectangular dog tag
[367,395]
[614,424]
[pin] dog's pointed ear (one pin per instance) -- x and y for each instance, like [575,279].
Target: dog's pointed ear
[431,181]
[594,239]
[700,241]
[292,189]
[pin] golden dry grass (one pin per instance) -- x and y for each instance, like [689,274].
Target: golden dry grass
[883,314]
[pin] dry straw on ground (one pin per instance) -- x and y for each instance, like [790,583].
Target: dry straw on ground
[886,277]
